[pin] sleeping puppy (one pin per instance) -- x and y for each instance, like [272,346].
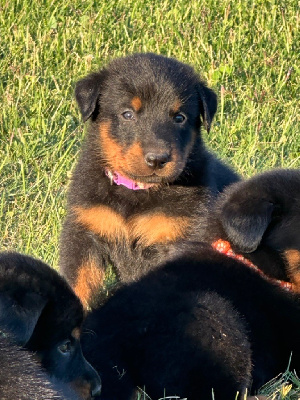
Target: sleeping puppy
[208,320]
[40,312]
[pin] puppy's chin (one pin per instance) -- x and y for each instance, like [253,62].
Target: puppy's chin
[158,177]
[154,179]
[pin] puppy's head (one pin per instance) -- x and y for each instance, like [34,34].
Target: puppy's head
[265,211]
[146,112]
[41,312]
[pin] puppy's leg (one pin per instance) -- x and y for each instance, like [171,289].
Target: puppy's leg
[293,267]
[83,262]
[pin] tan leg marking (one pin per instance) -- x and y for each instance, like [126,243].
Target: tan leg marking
[148,229]
[103,221]
[89,281]
[293,260]
[157,228]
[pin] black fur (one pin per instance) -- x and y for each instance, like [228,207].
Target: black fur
[260,217]
[204,321]
[40,312]
[22,378]
[141,108]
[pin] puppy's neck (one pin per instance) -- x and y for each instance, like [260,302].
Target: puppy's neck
[224,247]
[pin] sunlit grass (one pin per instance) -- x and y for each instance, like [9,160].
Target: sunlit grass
[246,50]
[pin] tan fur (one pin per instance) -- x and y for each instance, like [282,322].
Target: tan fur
[89,279]
[147,229]
[103,221]
[157,228]
[131,161]
[176,106]
[136,103]
[76,333]
[293,260]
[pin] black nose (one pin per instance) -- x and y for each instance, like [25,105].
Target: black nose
[157,160]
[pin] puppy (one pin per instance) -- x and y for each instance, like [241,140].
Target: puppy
[208,320]
[22,378]
[144,174]
[268,225]
[40,312]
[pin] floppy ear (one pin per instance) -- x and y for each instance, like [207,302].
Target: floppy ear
[208,105]
[19,313]
[87,92]
[245,221]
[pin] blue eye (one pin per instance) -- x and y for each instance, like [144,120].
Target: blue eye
[128,115]
[178,118]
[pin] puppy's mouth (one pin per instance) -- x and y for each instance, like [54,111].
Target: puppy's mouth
[135,182]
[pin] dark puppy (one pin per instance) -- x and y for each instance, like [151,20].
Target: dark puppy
[41,313]
[268,225]
[143,175]
[205,321]
[22,378]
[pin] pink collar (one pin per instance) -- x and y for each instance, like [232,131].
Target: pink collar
[118,179]
[224,247]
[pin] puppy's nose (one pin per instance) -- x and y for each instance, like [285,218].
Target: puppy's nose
[156,160]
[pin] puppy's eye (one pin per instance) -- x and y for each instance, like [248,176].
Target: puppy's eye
[128,115]
[178,118]
[65,347]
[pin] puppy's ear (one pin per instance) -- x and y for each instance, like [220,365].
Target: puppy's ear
[208,105]
[19,313]
[87,92]
[246,220]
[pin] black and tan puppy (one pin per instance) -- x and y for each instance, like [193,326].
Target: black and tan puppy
[206,321]
[22,378]
[143,175]
[41,313]
[268,225]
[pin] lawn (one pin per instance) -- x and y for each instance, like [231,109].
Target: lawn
[247,51]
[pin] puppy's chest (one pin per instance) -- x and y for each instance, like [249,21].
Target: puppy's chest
[145,228]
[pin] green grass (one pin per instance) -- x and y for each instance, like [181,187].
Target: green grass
[246,50]
[283,387]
